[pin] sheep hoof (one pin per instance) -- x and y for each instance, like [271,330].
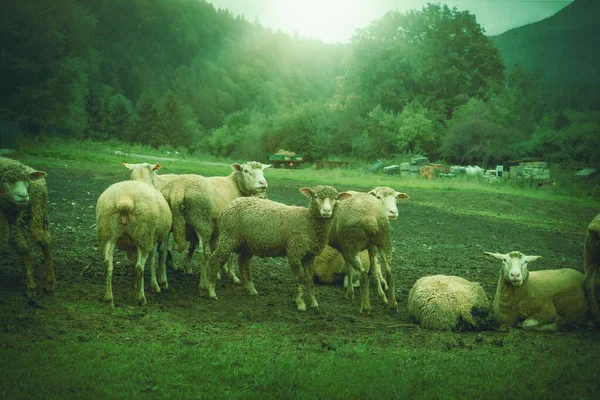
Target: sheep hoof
[235,280]
[188,271]
[109,303]
[142,302]
[393,307]
[156,289]
[31,292]
[365,311]
[302,307]
[314,304]
[164,285]
[50,286]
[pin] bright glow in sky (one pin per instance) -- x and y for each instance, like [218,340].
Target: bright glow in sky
[337,20]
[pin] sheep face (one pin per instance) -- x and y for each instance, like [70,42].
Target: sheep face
[514,266]
[253,175]
[143,172]
[324,199]
[388,197]
[15,184]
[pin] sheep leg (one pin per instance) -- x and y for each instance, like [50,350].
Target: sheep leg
[296,266]
[532,324]
[592,264]
[229,270]
[139,276]
[21,244]
[309,276]
[205,246]
[377,273]
[352,263]
[162,265]
[393,304]
[49,264]
[187,263]
[243,261]
[153,282]
[216,262]
[109,249]
[365,306]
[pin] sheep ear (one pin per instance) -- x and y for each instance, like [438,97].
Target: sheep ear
[156,167]
[128,166]
[372,193]
[402,196]
[531,258]
[34,176]
[495,255]
[236,167]
[265,166]
[308,192]
[344,195]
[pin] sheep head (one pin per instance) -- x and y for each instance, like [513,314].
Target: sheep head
[514,266]
[324,199]
[389,198]
[252,177]
[15,183]
[143,172]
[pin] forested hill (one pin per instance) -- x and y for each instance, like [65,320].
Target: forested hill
[562,51]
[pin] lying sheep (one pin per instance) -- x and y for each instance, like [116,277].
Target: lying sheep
[24,217]
[134,217]
[449,303]
[256,227]
[591,259]
[540,300]
[362,222]
[196,202]
[330,267]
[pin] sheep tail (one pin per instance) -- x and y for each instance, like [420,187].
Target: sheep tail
[124,208]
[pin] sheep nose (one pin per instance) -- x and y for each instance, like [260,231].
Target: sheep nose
[515,275]
[21,197]
[393,214]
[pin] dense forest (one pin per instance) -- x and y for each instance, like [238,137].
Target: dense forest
[183,74]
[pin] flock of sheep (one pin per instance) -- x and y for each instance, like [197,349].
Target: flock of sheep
[336,235]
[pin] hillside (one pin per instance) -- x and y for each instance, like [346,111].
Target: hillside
[562,51]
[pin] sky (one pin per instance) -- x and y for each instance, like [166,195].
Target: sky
[336,20]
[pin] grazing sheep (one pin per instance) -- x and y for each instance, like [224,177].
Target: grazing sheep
[24,216]
[134,217]
[251,226]
[362,222]
[196,202]
[449,303]
[541,300]
[591,258]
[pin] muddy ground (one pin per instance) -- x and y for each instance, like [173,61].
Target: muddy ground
[438,232]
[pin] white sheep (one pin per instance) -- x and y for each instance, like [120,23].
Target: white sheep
[24,217]
[251,226]
[540,300]
[362,222]
[591,257]
[447,303]
[134,217]
[196,202]
[330,267]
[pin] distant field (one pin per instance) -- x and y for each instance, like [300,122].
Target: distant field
[181,345]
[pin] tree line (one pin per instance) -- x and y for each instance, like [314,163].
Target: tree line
[184,74]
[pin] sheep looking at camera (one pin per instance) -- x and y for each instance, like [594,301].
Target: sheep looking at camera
[134,217]
[449,303]
[362,223]
[540,300]
[24,217]
[591,257]
[196,202]
[251,226]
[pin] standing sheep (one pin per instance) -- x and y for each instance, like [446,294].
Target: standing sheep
[24,205]
[449,303]
[251,226]
[362,222]
[540,300]
[330,267]
[196,202]
[591,259]
[134,217]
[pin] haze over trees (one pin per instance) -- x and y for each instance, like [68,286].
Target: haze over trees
[184,74]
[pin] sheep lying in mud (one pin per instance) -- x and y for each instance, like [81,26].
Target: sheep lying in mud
[24,217]
[538,300]
[330,267]
[591,259]
[251,226]
[362,222]
[134,217]
[196,202]
[447,303]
